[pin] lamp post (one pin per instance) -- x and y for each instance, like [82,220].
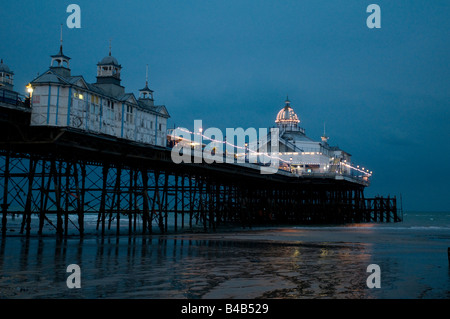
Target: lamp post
[29,90]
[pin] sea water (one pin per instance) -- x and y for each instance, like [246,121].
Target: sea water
[289,262]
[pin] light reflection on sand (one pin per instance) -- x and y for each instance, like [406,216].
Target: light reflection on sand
[264,263]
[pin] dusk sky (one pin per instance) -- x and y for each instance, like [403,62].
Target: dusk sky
[384,94]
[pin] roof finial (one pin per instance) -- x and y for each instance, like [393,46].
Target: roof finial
[61,41]
[109,47]
[287,102]
[324,136]
[146,76]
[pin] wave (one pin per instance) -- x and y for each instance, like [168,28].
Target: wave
[381,227]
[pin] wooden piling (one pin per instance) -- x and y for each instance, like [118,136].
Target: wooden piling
[5,194]
[114,188]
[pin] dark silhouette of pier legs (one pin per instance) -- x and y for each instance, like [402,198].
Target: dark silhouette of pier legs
[61,191]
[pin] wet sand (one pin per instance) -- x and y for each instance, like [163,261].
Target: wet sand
[281,262]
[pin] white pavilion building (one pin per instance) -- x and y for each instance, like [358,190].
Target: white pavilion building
[303,155]
[61,99]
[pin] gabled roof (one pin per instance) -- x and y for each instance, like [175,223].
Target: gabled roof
[50,77]
[128,97]
[78,81]
[162,110]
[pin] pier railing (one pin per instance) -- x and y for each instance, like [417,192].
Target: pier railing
[286,168]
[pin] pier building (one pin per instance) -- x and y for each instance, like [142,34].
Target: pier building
[63,100]
[303,155]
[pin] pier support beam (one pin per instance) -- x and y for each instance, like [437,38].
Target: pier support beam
[157,197]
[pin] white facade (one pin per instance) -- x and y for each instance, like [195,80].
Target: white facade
[62,100]
[301,154]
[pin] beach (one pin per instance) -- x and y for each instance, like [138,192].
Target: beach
[282,262]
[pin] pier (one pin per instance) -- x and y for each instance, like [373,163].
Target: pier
[72,149]
[60,175]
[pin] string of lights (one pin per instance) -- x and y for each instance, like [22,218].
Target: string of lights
[235,146]
[255,153]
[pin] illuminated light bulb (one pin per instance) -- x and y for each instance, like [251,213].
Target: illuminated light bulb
[29,89]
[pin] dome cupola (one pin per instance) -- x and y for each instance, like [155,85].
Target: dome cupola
[108,70]
[108,75]
[287,119]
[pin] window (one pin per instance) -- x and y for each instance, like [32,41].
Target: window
[95,109]
[160,126]
[78,95]
[94,99]
[94,106]
[129,114]
[109,110]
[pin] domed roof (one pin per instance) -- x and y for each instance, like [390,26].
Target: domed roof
[109,60]
[287,115]
[4,67]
